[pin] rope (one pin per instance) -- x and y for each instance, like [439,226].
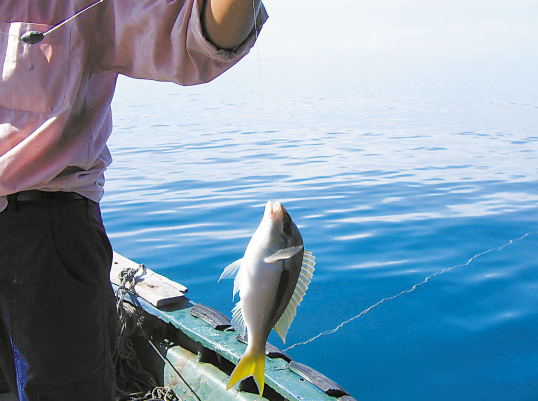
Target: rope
[413,288]
[133,382]
[176,371]
[157,394]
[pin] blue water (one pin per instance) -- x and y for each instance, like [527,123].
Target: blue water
[390,178]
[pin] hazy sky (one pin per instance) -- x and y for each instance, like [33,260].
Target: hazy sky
[424,29]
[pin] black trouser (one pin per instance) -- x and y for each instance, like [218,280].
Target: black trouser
[58,320]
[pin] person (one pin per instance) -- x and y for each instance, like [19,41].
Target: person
[58,324]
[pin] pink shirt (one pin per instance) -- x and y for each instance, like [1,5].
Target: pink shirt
[55,95]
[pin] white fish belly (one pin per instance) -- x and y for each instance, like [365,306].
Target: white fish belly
[258,300]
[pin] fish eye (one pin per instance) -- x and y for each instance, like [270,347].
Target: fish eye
[287,223]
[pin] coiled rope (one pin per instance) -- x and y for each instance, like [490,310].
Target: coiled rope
[133,382]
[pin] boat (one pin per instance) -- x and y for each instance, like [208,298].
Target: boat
[188,350]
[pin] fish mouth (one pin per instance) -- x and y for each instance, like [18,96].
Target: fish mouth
[274,210]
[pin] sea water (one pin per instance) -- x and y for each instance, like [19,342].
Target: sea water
[390,179]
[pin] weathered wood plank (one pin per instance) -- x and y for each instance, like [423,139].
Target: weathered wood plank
[216,319]
[322,382]
[154,288]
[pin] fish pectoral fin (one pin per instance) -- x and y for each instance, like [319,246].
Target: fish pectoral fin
[250,365]
[285,253]
[231,270]
[307,270]
[238,322]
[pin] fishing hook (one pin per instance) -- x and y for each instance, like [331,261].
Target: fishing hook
[33,37]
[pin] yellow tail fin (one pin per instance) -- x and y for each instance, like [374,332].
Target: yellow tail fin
[250,365]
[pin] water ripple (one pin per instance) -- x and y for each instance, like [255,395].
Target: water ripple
[387,187]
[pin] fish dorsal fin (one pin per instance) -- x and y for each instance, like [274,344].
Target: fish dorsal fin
[231,271]
[307,270]
[238,322]
[285,253]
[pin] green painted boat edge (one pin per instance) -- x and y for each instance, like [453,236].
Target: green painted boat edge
[208,379]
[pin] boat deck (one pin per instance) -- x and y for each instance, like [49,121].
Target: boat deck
[192,349]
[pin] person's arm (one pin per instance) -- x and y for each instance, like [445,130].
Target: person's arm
[227,23]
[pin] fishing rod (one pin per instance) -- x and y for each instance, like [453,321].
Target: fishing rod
[33,37]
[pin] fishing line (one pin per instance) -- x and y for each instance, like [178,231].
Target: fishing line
[32,37]
[264,120]
[446,270]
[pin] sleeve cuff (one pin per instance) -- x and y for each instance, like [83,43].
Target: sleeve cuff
[209,49]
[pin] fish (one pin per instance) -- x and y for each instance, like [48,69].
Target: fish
[271,278]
